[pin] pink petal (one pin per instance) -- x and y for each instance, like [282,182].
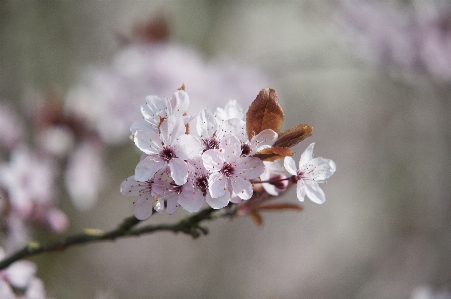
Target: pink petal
[179,171]
[142,125]
[179,102]
[20,273]
[242,188]
[206,124]
[146,169]
[148,141]
[212,160]
[219,202]
[192,202]
[231,148]
[249,167]
[153,109]
[171,129]
[187,147]
[217,185]
[237,128]
[172,205]
[143,207]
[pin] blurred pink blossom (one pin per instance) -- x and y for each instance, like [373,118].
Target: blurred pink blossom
[412,37]
[110,97]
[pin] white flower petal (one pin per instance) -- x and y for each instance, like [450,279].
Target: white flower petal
[322,169]
[301,190]
[148,141]
[146,169]
[219,202]
[249,167]
[306,156]
[242,188]
[179,103]
[20,273]
[231,148]
[217,185]
[206,124]
[237,128]
[171,128]
[314,192]
[6,291]
[264,139]
[142,125]
[35,290]
[153,109]
[192,202]
[212,160]
[143,207]
[187,147]
[179,170]
[290,165]
[130,187]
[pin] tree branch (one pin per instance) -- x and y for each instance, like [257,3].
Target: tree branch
[190,226]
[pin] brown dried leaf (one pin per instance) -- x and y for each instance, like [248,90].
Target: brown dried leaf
[281,206]
[264,113]
[256,218]
[293,136]
[273,153]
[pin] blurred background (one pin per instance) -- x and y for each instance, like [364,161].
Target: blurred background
[372,78]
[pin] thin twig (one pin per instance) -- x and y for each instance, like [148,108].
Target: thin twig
[190,226]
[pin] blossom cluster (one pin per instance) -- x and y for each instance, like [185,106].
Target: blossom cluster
[219,165]
[411,37]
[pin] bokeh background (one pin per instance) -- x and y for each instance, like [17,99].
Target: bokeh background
[377,110]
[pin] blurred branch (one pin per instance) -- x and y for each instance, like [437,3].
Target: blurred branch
[190,226]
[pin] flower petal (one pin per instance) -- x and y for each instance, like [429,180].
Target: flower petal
[143,207]
[206,124]
[142,125]
[290,165]
[217,185]
[301,190]
[172,205]
[264,139]
[306,156]
[212,160]
[249,167]
[218,202]
[148,141]
[237,128]
[192,202]
[187,147]
[179,170]
[231,148]
[153,108]
[314,192]
[179,102]
[242,188]
[171,128]
[146,169]
[320,169]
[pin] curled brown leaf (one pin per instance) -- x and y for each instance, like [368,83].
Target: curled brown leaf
[293,136]
[271,154]
[264,113]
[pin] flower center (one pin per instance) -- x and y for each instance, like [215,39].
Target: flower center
[227,170]
[245,149]
[202,183]
[167,154]
[211,143]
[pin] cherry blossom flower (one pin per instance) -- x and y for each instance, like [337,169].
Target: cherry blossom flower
[311,171]
[229,171]
[110,96]
[155,110]
[231,110]
[146,202]
[170,148]
[20,276]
